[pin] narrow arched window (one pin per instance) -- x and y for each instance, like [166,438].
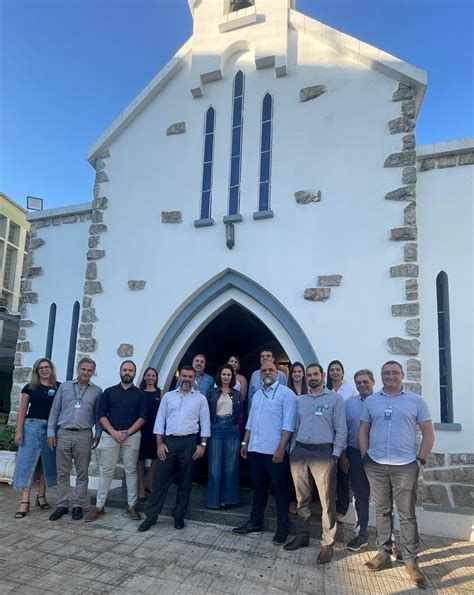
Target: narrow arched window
[50,334]
[206,191]
[72,341]
[265,154]
[236,143]
[444,349]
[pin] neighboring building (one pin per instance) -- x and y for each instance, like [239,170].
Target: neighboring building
[13,230]
[266,188]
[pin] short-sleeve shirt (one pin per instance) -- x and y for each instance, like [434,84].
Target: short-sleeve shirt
[40,400]
[392,437]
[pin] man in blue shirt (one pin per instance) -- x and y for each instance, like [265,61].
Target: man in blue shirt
[202,382]
[256,379]
[182,414]
[351,460]
[122,412]
[392,462]
[268,431]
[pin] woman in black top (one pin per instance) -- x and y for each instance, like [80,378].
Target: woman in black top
[36,401]
[149,385]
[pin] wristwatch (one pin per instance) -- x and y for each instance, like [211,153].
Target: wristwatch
[421,461]
[204,444]
[243,444]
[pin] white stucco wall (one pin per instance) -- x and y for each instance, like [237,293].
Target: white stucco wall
[445,217]
[63,260]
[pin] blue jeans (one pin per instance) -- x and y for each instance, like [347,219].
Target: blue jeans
[34,447]
[224,447]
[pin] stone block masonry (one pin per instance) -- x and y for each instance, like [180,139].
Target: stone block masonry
[448,480]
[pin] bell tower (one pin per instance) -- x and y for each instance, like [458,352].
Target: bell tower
[224,27]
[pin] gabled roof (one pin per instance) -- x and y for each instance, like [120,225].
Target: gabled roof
[357,50]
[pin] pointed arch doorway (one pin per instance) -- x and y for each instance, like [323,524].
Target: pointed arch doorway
[248,303]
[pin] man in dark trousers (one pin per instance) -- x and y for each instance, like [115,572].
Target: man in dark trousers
[182,414]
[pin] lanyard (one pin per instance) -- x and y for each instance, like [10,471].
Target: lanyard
[274,392]
[78,398]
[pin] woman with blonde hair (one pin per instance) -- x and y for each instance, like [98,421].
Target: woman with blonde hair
[33,452]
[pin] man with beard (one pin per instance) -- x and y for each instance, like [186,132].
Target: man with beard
[182,414]
[70,424]
[122,412]
[256,379]
[202,382]
[320,438]
[268,431]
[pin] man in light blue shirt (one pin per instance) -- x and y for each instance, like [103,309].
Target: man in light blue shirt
[392,462]
[182,414]
[268,431]
[255,383]
[351,459]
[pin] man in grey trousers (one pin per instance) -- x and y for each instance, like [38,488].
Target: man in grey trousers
[392,461]
[320,436]
[70,423]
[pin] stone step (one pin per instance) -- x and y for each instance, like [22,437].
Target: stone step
[232,517]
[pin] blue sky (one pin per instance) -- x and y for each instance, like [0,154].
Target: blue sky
[69,67]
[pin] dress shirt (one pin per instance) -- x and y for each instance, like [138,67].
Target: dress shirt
[273,411]
[64,413]
[354,407]
[321,419]
[393,422]
[203,384]
[183,414]
[123,406]
[256,383]
[346,390]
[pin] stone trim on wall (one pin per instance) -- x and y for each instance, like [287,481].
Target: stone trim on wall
[86,342]
[323,292]
[443,161]
[408,271]
[304,197]
[448,480]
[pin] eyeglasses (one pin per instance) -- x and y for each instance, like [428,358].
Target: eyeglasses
[44,367]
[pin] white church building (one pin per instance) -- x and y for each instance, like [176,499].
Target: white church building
[266,188]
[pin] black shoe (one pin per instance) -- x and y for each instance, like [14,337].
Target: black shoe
[58,513]
[76,513]
[147,524]
[280,538]
[247,528]
[178,523]
[296,543]
[356,544]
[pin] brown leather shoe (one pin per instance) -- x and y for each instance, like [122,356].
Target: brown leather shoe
[94,514]
[325,554]
[134,514]
[379,562]
[296,543]
[415,574]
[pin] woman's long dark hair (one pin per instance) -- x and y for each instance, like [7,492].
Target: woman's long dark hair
[143,382]
[218,377]
[328,379]
[304,386]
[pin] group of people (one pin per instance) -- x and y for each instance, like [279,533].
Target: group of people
[302,431]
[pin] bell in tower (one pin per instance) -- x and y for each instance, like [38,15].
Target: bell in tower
[239,4]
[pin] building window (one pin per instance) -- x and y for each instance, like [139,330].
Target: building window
[206,192]
[265,154]
[444,349]
[72,341]
[50,335]
[236,144]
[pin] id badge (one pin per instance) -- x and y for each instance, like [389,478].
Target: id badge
[51,392]
[77,406]
[388,414]
[319,410]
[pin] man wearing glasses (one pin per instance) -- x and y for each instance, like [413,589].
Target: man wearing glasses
[392,462]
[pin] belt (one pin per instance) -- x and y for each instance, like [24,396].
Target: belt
[179,437]
[326,446]
[77,429]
